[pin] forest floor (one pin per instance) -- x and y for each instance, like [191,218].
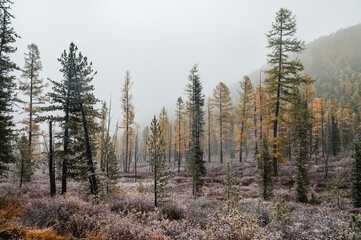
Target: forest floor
[29,213]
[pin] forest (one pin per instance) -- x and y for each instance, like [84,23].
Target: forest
[275,156]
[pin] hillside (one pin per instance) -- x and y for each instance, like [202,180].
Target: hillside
[334,62]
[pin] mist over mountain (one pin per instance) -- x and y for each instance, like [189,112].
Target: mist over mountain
[333,61]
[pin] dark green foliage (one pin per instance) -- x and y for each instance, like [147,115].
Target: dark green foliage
[156,149]
[355,226]
[196,115]
[24,165]
[301,135]
[356,175]
[73,95]
[265,170]
[7,85]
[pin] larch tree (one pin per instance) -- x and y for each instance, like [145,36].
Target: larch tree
[143,143]
[128,111]
[32,87]
[196,122]
[73,95]
[223,103]
[244,112]
[7,85]
[179,131]
[285,67]
[209,128]
[108,160]
[156,148]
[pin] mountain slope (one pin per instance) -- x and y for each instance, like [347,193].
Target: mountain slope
[334,61]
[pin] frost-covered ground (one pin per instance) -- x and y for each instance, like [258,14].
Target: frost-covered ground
[30,213]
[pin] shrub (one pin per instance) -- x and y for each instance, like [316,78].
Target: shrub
[172,211]
[67,216]
[10,206]
[233,224]
[132,204]
[281,212]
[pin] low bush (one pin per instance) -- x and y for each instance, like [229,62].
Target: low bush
[68,216]
[10,207]
[127,204]
[172,211]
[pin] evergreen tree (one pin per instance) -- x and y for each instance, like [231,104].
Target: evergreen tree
[265,169]
[24,165]
[285,67]
[179,131]
[196,116]
[73,96]
[166,129]
[7,85]
[127,108]
[230,188]
[244,111]
[301,135]
[222,101]
[356,175]
[156,148]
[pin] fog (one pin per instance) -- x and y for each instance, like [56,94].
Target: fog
[159,41]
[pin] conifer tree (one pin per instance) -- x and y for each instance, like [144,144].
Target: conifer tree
[127,108]
[165,128]
[356,174]
[7,85]
[73,96]
[285,67]
[222,101]
[265,169]
[32,87]
[24,165]
[301,134]
[230,187]
[179,131]
[196,122]
[156,148]
[244,111]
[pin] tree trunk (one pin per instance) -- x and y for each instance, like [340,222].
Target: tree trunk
[51,163]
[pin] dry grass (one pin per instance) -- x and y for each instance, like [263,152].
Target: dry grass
[11,207]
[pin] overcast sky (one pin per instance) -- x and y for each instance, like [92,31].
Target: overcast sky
[159,41]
